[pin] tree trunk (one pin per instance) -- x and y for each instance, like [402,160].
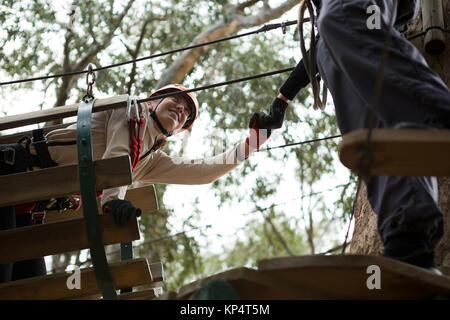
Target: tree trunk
[365,236]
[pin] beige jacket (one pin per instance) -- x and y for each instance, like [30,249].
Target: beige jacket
[110,138]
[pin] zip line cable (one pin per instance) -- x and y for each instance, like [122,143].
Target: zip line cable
[215,85]
[299,143]
[264,28]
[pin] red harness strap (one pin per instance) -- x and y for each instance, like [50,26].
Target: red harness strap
[136,123]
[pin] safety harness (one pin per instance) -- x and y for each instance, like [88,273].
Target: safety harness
[136,124]
[16,158]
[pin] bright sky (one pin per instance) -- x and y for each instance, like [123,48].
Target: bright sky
[227,220]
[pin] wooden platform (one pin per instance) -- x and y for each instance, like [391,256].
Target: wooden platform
[143,197]
[345,277]
[125,274]
[335,277]
[250,285]
[400,152]
[61,112]
[63,236]
[62,180]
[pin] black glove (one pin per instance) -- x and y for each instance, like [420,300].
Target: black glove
[273,120]
[122,211]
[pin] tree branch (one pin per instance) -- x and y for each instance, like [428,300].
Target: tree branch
[280,237]
[186,61]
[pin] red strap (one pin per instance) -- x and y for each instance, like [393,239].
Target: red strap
[25,207]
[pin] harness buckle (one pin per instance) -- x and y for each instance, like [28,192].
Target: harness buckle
[9,156]
[37,217]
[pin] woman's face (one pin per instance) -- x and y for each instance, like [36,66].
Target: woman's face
[172,112]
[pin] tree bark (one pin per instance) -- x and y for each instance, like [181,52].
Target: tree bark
[365,236]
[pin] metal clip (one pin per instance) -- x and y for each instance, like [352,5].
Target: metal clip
[130,114]
[90,84]
[283,27]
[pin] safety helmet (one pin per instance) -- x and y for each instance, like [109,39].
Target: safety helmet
[189,96]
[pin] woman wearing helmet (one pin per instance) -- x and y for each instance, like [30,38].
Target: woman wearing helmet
[112,136]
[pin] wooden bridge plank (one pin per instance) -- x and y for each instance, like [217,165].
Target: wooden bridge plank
[64,236]
[125,274]
[147,294]
[250,284]
[61,112]
[400,152]
[157,274]
[62,180]
[142,197]
[13,138]
[345,277]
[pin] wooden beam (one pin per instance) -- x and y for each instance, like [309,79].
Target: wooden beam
[125,274]
[346,276]
[250,285]
[62,180]
[61,112]
[400,152]
[433,16]
[148,294]
[13,138]
[142,197]
[64,236]
[156,271]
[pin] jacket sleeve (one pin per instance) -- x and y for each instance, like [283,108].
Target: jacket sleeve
[297,80]
[177,170]
[117,144]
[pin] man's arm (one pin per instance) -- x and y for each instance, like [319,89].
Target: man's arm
[297,80]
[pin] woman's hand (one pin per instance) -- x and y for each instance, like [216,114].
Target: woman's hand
[122,211]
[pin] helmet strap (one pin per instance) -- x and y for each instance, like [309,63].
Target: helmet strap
[158,123]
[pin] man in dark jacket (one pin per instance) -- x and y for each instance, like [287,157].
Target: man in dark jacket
[348,59]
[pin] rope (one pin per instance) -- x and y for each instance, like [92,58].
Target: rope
[309,57]
[219,84]
[264,28]
[299,143]
[417,35]
[358,187]
[365,153]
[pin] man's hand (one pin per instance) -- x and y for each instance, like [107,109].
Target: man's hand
[275,118]
[122,211]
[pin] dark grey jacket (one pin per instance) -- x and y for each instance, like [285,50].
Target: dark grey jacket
[407,9]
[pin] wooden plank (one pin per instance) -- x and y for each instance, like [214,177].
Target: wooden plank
[400,152]
[433,16]
[250,285]
[345,277]
[148,294]
[13,138]
[62,180]
[142,197]
[70,235]
[169,295]
[61,112]
[125,274]
[156,272]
